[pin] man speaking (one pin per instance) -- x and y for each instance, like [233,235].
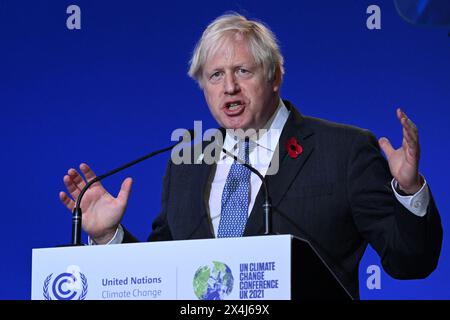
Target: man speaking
[332,186]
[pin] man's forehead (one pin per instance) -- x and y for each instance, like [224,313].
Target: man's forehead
[229,51]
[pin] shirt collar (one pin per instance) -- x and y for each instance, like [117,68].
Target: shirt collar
[270,135]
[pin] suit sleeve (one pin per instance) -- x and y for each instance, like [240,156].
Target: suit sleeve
[409,246]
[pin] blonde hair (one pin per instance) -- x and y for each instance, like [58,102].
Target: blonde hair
[261,40]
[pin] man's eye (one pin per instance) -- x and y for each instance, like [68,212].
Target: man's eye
[215,75]
[244,72]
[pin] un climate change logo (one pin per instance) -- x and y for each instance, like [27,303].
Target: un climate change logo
[213,282]
[66,286]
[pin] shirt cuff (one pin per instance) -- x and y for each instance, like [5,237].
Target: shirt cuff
[416,203]
[118,237]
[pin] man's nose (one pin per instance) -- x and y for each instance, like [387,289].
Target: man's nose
[231,85]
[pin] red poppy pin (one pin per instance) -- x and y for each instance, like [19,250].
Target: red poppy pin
[294,149]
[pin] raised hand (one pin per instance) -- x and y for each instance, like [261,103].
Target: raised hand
[101,212]
[404,161]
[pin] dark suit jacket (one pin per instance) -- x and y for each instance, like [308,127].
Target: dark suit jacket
[336,194]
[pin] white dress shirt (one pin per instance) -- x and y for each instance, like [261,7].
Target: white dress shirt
[261,153]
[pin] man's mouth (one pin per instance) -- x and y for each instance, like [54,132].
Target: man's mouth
[233,108]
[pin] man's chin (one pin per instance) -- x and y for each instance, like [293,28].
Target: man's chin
[236,126]
[240,131]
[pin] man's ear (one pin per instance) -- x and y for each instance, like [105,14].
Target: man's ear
[276,82]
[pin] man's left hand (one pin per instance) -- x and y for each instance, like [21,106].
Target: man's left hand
[404,161]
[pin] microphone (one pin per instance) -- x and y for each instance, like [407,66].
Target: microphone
[77,214]
[267,205]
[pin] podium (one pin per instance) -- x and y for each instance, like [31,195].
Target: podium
[276,267]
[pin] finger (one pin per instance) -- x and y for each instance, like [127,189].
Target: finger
[125,190]
[406,121]
[412,125]
[411,145]
[410,137]
[400,114]
[413,155]
[76,178]
[409,125]
[411,133]
[87,172]
[386,146]
[71,186]
[65,199]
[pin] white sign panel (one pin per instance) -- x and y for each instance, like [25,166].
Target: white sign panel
[211,269]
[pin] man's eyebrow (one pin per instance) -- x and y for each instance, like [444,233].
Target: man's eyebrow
[247,64]
[234,66]
[212,71]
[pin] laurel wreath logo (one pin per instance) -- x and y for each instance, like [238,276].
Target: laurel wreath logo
[84,284]
[45,289]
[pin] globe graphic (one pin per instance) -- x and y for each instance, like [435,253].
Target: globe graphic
[213,282]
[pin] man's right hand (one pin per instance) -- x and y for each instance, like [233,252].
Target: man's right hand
[101,211]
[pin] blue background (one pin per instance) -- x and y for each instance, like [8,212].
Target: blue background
[116,89]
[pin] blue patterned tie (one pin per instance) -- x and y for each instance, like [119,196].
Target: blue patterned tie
[236,197]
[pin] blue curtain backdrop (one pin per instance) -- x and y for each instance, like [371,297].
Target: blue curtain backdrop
[116,89]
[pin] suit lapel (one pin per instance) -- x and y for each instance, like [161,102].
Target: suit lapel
[206,174]
[289,168]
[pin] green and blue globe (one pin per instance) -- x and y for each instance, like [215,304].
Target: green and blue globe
[213,282]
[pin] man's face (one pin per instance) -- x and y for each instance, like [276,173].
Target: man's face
[237,92]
